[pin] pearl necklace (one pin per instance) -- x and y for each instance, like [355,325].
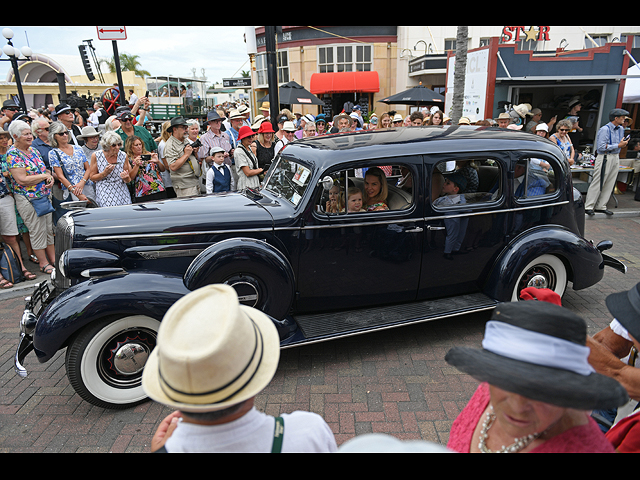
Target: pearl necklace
[517,445]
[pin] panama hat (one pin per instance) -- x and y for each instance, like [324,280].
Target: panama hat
[212,353]
[88,132]
[538,350]
[625,307]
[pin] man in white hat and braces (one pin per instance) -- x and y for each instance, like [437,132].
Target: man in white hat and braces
[289,135]
[212,358]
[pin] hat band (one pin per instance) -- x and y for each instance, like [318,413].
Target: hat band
[223,393]
[537,348]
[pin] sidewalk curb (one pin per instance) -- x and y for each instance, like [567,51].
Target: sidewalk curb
[620,213]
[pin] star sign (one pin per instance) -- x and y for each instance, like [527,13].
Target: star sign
[532,34]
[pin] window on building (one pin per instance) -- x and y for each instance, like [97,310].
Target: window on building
[599,39]
[636,39]
[262,78]
[345,58]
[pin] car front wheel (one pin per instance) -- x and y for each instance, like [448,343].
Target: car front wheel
[105,361]
[546,271]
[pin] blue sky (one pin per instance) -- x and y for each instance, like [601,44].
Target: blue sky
[170,50]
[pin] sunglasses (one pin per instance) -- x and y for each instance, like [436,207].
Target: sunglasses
[563,129]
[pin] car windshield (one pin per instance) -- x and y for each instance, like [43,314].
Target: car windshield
[289,180]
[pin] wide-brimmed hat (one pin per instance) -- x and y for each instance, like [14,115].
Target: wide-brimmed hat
[266,106]
[245,132]
[235,115]
[213,115]
[523,109]
[88,132]
[177,121]
[337,118]
[625,307]
[538,350]
[289,126]
[212,353]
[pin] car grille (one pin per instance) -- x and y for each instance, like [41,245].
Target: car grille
[63,242]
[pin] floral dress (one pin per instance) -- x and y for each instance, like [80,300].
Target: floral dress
[72,167]
[32,162]
[148,181]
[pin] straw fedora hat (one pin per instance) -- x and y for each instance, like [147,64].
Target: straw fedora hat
[538,350]
[212,353]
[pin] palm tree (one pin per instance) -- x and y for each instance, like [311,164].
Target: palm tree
[128,63]
[459,74]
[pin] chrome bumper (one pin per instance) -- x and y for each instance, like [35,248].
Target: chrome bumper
[34,305]
[609,261]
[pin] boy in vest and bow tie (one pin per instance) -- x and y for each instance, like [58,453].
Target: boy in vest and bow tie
[219,178]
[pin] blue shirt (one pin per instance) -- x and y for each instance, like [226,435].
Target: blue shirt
[608,139]
[44,150]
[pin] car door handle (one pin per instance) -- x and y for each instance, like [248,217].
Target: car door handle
[429,227]
[414,230]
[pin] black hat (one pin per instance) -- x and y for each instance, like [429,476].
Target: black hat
[538,350]
[175,121]
[10,104]
[625,307]
[63,107]
[213,115]
[458,179]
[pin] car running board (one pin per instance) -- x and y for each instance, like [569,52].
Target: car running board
[352,322]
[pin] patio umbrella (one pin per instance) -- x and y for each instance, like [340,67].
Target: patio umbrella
[293,93]
[418,95]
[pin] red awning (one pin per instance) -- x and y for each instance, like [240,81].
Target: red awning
[345,82]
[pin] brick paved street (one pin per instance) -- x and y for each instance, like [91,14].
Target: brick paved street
[394,382]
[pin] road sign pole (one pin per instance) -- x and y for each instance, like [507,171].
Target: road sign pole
[116,59]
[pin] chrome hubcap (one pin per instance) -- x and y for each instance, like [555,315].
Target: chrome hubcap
[130,359]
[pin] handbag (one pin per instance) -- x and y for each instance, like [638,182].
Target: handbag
[42,206]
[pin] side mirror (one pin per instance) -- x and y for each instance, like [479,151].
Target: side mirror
[327,183]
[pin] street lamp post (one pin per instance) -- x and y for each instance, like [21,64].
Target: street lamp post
[13,53]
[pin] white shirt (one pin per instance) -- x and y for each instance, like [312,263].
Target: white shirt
[304,432]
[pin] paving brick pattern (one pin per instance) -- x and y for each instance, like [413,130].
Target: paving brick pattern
[394,382]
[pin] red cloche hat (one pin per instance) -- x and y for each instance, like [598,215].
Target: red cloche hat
[245,132]
[266,127]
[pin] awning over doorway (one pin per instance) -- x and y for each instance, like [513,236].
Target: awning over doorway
[345,82]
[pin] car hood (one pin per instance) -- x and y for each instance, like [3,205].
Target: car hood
[230,211]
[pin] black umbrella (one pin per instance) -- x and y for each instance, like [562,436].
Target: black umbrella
[418,95]
[292,93]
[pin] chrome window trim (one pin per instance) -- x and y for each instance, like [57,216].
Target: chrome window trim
[339,225]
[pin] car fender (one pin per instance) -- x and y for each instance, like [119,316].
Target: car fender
[231,260]
[124,294]
[583,261]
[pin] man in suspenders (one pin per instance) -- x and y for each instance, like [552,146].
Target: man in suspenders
[609,141]
[213,357]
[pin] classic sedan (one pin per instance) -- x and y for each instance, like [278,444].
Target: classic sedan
[349,233]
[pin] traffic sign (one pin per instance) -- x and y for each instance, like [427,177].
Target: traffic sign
[112,33]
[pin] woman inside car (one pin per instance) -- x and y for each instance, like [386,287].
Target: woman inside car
[375,190]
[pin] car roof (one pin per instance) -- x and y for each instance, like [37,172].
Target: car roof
[394,142]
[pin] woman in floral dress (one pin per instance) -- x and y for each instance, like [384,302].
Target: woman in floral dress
[145,172]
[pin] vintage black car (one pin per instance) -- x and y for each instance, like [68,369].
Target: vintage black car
[319,275]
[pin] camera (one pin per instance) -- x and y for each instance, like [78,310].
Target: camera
[146,158]
[196,144]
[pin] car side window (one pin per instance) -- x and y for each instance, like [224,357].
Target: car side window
[533,177]
[365,189]
[465,181]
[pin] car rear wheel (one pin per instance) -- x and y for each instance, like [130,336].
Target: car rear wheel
[105,361]
[546,271]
